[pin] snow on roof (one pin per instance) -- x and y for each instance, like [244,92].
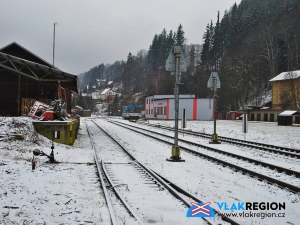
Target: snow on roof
[287,75]
[289,113]
[109,82]
[105,91]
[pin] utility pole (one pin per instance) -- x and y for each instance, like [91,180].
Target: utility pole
[54,42]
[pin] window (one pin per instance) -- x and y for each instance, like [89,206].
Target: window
[159,111]
[266,117]
[137,110]
[56,134]
[258,116]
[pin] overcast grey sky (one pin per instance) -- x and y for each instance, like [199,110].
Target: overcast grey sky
[91,32]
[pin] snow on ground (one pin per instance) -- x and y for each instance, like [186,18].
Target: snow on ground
[68,193]
[264,132]
[65,193]
[207,180]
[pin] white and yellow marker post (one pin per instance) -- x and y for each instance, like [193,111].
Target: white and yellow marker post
[213,83]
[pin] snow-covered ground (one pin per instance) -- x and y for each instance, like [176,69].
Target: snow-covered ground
[68,193]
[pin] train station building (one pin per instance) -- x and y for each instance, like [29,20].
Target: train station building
[163,107]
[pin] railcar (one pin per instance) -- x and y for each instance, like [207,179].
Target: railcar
[131,112]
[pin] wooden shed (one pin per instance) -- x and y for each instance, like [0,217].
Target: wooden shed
[287,117]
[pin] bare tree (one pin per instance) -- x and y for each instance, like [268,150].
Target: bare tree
[268,44]
[240,70]
[291,92]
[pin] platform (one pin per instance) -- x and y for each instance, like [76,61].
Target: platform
[64,132]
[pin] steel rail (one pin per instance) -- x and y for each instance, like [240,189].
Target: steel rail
[106,196]
[267,165]
[120,196]
[237,168]
[107,199]
[180,190]
[261,146]
[168,185]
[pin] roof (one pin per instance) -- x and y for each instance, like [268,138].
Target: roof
[105,91]
[289,113]
[42,71]
[170,96]
[19,51]
[287,75]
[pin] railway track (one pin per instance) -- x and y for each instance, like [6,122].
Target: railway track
[285,174]
[291,152]
[141,189]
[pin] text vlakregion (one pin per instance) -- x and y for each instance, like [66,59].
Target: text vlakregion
[251,206]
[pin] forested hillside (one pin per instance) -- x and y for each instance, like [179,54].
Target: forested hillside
[253,42]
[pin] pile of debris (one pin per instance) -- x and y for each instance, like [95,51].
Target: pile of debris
[57,110]
[17,128]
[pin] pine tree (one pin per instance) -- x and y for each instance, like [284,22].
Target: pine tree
[192,55]
[205,48]
[180,36]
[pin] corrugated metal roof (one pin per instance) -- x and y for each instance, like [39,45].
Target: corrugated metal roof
[37,71]
[287,75]
[25,49]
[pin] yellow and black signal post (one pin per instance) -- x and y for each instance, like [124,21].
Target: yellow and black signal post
[174,60]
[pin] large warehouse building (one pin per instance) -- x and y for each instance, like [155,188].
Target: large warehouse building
[25,77]
[163,107]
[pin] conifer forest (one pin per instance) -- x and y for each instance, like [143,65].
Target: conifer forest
[253,42]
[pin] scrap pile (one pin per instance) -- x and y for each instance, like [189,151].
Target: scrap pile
[18,128]
[57,110]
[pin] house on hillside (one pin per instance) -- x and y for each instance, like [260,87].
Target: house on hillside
[96,95]
[110,84]
[108,95]
[285,96]
[101,83]
[286,91]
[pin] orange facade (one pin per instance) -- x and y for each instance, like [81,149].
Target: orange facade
[282,92]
